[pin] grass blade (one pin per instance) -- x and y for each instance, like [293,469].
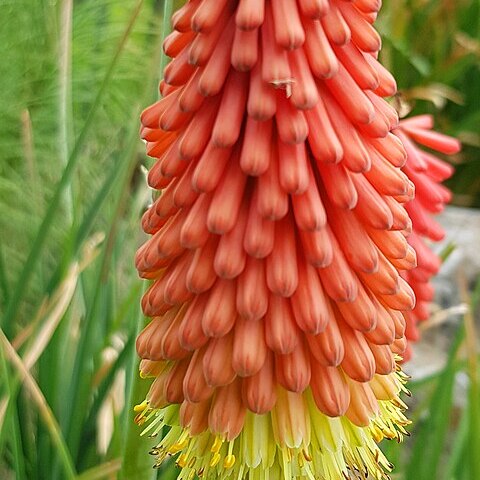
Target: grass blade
[64,92]
[474,390]
[39,333]
[4,287]
[431,434]
[104,471]
[166,27]
[44,409]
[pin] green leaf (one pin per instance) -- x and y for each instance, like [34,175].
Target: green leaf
[431,432]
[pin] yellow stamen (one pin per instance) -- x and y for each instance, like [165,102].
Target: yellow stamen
[215,459]
[177,447]
[306,455]
[217,445]
[229,461]
[140,407]
[377,433]
[182,460]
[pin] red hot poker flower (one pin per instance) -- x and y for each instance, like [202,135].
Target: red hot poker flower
[276,300]
[427,172]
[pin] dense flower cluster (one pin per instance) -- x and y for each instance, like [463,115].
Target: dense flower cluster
[427,172]
[279,244]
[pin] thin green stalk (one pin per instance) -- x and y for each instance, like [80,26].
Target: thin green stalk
[12,421]
[48,220]
[456,457]
[31,160]
[4,286]
[47,362]
[35,254]
[64,82]
[166,27]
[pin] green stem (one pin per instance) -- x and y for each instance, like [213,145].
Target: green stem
[64,91]
[13,422]
[166,27]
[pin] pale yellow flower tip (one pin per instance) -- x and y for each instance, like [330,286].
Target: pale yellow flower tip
[295,441]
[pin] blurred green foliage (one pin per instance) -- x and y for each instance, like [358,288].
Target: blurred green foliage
[433,49]
[74,76]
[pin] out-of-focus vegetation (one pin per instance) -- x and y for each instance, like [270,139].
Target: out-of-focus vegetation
[433,49]
[74,76]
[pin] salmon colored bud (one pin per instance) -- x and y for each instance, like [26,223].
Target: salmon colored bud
[363,404]
[311,307]
[194,416]
[256,151]
[287,260]
[252,292]
[217,362]
[358,362]
[170,347]
[227,413]
[149,342]
[245,49]
[293,370]
[250,14]
[219,315]
[195,388]
[156,396]
[384,359]
[330,390]
[281,331]
[327,347]
[249,347]
[174,382]
[259,390]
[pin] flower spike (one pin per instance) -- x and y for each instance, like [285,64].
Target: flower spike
[278,250]
[426,171]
